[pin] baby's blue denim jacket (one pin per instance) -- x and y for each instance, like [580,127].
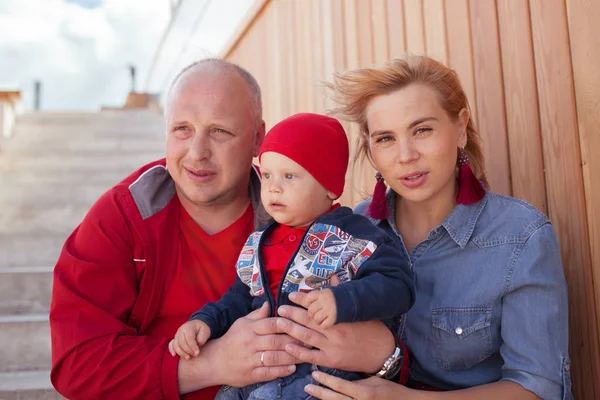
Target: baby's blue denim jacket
[491,299]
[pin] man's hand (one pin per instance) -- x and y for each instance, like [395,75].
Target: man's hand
[321,307]
[189,338]
[251,351]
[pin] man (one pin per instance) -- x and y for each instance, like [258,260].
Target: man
[162,243]
[127,277]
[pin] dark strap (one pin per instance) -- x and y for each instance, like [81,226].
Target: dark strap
[420,386]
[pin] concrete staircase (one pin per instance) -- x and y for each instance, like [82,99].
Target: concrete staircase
[51,171]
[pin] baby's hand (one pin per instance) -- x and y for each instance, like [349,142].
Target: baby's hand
[321,307]
[188,339]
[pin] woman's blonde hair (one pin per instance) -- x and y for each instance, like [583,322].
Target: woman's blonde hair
[354,89]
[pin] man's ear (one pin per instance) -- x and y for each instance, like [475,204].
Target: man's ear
[332,196]
[258,139]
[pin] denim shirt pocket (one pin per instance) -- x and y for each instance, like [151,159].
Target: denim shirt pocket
[566,379]
[462,336]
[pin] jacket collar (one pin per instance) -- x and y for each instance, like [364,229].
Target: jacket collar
[154,189]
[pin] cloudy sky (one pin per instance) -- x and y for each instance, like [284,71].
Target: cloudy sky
[79,49]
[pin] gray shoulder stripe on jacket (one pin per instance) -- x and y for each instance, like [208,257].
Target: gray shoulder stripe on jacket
[152,191]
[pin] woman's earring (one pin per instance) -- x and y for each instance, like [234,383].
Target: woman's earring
[378,208]
[470,190]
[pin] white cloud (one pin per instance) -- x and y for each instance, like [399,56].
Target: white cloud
[80,54]
[201,28]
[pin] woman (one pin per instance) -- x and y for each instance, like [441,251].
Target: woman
[490,319]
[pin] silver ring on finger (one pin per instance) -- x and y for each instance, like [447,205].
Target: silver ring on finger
[262,358]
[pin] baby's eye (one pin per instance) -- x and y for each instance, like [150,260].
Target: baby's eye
[266,175]
[289,176]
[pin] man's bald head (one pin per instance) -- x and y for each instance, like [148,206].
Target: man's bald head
[213,130]
[219,68]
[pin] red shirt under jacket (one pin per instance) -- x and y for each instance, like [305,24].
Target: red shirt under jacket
[277,251]
[205,271]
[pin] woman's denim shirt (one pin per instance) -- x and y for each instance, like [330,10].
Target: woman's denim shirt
[491,299]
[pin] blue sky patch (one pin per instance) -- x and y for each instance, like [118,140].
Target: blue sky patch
[86,3]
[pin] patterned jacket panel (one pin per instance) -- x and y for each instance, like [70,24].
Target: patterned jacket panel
[325,250]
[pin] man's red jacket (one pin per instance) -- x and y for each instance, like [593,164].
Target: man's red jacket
[109,282]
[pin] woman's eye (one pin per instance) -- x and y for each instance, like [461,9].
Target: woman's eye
[289,176]
[383,139]
[422,131]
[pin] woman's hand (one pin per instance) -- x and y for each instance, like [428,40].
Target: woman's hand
[365,389]
[335,388]
[358,346]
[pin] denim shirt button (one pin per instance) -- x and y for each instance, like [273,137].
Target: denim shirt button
[458,331]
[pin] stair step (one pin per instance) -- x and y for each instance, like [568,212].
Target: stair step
[25,343]
[67,147]
[34,220]
[27,386]
[75,177]
[25,290]
[65,136]
[23,250]
[80,131]
[117,121]
[104,115]
[66,194]
[90,163]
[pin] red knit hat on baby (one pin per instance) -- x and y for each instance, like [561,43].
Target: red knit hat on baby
[317,142]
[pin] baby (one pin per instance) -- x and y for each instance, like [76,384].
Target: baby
[303,163]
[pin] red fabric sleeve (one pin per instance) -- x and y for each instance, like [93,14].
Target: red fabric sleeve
[95,354]
[404,369]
